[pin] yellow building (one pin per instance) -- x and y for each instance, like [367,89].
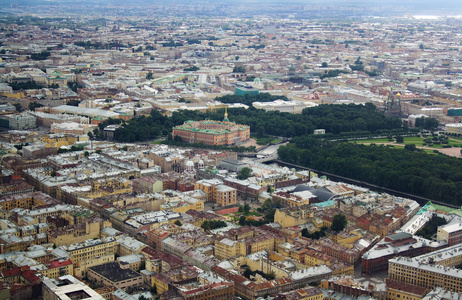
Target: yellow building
[78,233]
[160,282]
[81,267]
[346,239]
[26,200]
[132,261]
[434,269]
[292,200]
[58,268]
[14,95]
[401,291]
[217,192]
[307,293]
[292,216]
[316,258]
[91,253]
[227,248]
[54,140]
[260,243]
[225,195]
[342,269]
[182,206]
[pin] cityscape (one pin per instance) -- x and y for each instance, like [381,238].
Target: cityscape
[251,150]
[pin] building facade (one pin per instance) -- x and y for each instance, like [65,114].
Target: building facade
[211,132]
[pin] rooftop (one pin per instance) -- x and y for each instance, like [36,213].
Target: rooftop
[114,273]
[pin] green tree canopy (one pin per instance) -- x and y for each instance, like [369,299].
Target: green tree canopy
[339,223]
[244,173]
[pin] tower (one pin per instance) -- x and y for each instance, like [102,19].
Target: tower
[226,115]
[392,105]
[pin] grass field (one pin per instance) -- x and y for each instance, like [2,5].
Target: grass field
[418,141]
[267,140]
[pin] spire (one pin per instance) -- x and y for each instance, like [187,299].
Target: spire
[226,115]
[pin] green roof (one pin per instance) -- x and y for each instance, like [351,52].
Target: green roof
[437,207]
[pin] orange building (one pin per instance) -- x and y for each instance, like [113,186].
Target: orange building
[211,132]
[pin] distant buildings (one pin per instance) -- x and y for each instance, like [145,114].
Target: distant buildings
[294,107]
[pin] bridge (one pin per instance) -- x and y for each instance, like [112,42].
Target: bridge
[267,158]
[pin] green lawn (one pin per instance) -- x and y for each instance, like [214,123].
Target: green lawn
[455,138]
[378,141]
[418,141]
[250,213]
[267,140]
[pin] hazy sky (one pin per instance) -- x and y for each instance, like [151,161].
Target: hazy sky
[440,7]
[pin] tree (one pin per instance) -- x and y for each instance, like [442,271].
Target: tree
[191,69]
[178,223]
[18,107]
[149,76]
[40,56]
[244,173]
[339,223]
[324,65]
[238,69]
[399,139]
[410,147]
[34,105]
[74,86]
[242,220]
[237,57]
[246,208]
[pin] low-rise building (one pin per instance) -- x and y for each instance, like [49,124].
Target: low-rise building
[111,274]
[22,121]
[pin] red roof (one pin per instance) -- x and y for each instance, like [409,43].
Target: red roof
[59,263]
[30,275]
[228,210]
[15,271]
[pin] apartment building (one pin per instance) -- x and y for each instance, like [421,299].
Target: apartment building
[217,192]
[435,269]
[112,275]
[63,287]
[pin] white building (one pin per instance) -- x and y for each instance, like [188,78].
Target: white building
[67,288]
[294,107]
[22,121]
